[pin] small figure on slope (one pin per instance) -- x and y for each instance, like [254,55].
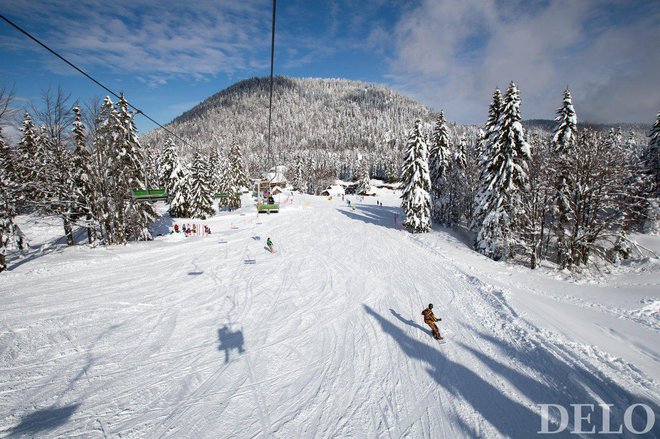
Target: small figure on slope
[430,319]
[269,244]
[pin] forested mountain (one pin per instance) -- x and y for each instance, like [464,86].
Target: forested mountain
[330,115]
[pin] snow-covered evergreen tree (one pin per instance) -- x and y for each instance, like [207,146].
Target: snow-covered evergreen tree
[224,181]
[416,181]
[505,179]
[565,132]
[298,179]
[134,216]
[237,177]
[83,186]
[363,183]
[169,162]
[457,184]
[563,142]
[439,163]
[650,166]
[651,158]
[27,163]
[118,155]
[486,143]
[8,198]
[215,165]
[238,170]
[201,188]
[180,203]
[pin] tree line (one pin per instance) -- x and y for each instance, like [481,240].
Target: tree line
[570,197]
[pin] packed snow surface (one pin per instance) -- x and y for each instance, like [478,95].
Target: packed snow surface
[215,337]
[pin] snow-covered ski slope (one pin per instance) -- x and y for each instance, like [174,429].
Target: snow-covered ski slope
[184,338]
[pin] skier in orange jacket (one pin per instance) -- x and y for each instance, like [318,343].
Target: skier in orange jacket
[430,319]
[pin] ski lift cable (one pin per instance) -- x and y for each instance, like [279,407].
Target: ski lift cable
[270,99]
[269,152]
[137,110]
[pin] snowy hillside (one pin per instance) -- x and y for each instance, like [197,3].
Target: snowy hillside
[215,337]
[308,113]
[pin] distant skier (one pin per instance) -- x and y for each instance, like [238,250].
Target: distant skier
[430,319]
[176,228]
[269,244]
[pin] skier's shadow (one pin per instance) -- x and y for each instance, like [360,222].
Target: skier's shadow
[230,340]
[410,322]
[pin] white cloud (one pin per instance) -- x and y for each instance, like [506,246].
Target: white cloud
[451,55]
[158,40]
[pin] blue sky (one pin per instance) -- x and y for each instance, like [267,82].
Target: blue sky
[450,55]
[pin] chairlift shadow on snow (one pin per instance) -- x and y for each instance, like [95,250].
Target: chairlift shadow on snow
[561,382]
[44,420]
[230,340]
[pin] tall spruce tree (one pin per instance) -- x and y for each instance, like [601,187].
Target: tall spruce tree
[201,188]
[180,203]
[650,164]
[237,165]
[651,158]
[82,176]
[563,145]
[224,181]
[416,181]
[237,177]
[169,163]
[135,216]
[8,198]
[457,183]
[505,179]
[439,163]
[363,183]
[298,180]
[485,147]
[28,158]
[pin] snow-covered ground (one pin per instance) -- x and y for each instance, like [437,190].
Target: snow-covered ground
[216,337]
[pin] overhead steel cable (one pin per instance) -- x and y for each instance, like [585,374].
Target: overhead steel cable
[270,99]
[137,110]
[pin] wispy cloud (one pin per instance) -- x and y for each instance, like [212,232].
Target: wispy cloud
[453,54]
[158,40]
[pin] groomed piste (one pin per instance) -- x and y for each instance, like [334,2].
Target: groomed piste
[180,337]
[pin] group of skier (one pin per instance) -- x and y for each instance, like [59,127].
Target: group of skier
[191,229]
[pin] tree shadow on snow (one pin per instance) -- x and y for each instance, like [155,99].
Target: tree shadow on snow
[578,385]
[45,419]
[383,216]
[230,340]
[16,258]
[509,417]
[164,225]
